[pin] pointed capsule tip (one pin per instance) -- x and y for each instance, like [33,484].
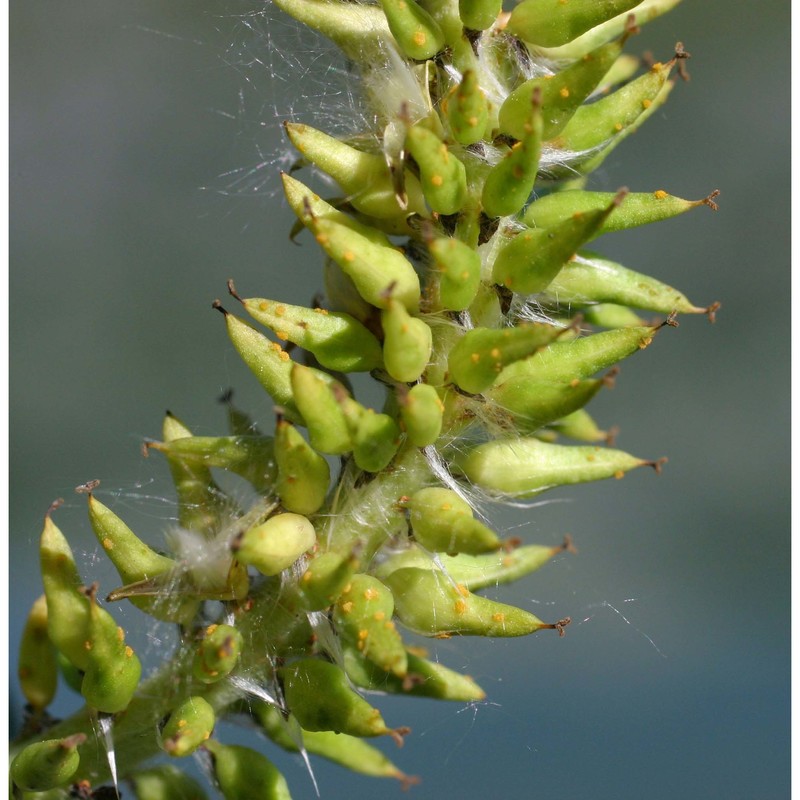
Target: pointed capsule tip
[711,311]
[56,504]
[88,487]
[218,306]
[232,290]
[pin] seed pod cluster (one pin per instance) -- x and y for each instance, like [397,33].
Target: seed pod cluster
[458,278]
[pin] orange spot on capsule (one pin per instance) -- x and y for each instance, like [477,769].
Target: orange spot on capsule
[460,607]
[660,194]
[437,180]
[564,92]
[371,594]
[646,103]
[108,544]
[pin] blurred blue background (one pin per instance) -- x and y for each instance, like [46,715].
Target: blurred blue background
[145,147]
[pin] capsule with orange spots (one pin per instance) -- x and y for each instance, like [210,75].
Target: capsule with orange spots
[442,174]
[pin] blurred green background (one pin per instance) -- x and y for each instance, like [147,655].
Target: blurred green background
[145,146]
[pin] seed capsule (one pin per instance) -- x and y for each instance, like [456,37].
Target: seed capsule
[363,618]
[47,765]
[413,28]
[364,177]
[478,15]
[188,727]
[561,94]
[303,474]
[165,782]
[509,183]
[466,106]
[338,341]
[551,23]
[375,437]
[251,457]
[422,413]
[217,654]
[136,561]
[407,342]
[348,751]
[323,416]
[442,175]
[443,522]
[427,602]
[324,579]
[459,269]
[67,608]
[37,668]
[530,262]
[276,544]
[591,278]
[579,425]
[112,669]
[480,355]
[245,774]
[523,467]
[319,695]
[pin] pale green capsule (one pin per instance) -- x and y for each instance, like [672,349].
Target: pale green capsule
[245,774]
[188,727]
[466,106]
[639,208]
[428,602]
[276,544]
[325,578]
[376,438]
[509,183]
[112,669]
[523,467]
[364,177]
[413,28]
[459,270]
[579,425]
[481,354]
[442,174]
[551,23]
[338,341]
[136,561]
[217,654]
[327,428]
[47,765]
[303,474]
[561,94]
[37,668]
[478,15]
[531,261]
[407,342]
[165,782]
[422,414]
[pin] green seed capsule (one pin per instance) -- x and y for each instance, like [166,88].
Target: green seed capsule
[202,505]
[375,437]
[602,123]
[136,561]
[561,94]
[534,404]
[276,544]
[442,175]
[245,774]
[319,695]
[376,271]
[338,341]
[466,106]
[551,23]
[348,751]
[480,355]
[566,362]
[524,467]
[530,262]
[407,343]
[325,578]
[303,474]
[112,669]
[478,15]
[364,177]
[426,601]
[443,522]
[363,618]
[413,28]
[36,667]
[459,269]
[509,183]
[422,413]
[323,416]
[47,765]
[251,457]
[67,608]
[188,727]
[217,654]
[165,782]
[639,208]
